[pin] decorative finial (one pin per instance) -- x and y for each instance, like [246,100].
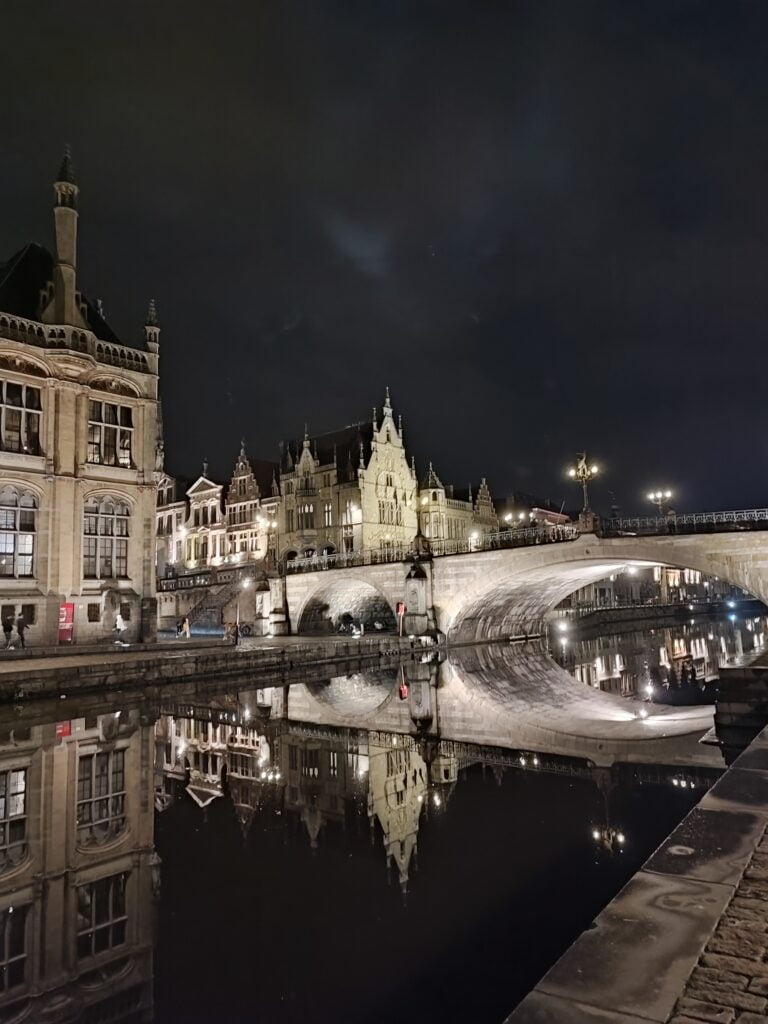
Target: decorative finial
[242,447]
[400,424]
[152,314]
[306,433]
[334,454]
[205,467]
[66,169]
[387,404]
[362,456]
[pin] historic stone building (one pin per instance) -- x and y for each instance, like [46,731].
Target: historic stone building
[78,449]
[350,490]
[78,873]
[455,516]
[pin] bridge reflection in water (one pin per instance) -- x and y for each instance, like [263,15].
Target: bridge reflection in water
[427,837]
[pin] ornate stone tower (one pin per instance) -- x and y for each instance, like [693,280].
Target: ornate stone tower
[65,269]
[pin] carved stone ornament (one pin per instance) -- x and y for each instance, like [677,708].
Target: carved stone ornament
[18,365]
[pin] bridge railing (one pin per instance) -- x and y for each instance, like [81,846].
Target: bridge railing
[514,538]
[691,522]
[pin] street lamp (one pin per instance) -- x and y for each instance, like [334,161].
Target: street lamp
[583,472]
[659,498]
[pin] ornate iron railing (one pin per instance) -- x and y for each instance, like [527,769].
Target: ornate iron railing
[691,522]
[545,534]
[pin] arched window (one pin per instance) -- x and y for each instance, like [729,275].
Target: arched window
[105,538]
[17,532]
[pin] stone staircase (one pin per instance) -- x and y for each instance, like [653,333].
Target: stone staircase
[207,613]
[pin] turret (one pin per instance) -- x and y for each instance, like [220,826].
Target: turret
[65,219]
[152,329]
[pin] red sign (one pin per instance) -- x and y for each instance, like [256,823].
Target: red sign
[400,608]
[66,623]
[63,728]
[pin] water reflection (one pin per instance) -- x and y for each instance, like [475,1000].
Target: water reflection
[321,850]
[678,663]
[78,869]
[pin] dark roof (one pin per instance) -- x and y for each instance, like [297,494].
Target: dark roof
[22,279]
[265,471]
[344,444]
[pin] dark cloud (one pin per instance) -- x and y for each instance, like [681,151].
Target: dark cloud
[541,223]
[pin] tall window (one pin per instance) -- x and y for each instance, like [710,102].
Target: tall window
[101,917]
[110,434]
[327,514]
[100,796]
[289,519]
[105,539]
[17,532]
[13,817]
[306,517]
[13,948]
[19,418]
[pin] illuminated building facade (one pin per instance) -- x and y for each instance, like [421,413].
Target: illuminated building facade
[79,449]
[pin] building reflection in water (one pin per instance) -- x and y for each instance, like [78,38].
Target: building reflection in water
[80,799]
[676,663]
[77,870]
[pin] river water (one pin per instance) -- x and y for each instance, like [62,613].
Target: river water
[418,842]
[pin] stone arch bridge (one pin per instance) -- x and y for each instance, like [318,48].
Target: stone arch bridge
[494,594]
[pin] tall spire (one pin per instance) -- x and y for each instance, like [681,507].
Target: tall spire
[374,420]
[242,447]
[65,221]
[387,403]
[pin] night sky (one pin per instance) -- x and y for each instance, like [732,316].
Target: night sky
[543,224]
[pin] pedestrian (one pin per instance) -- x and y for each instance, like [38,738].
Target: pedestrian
[7,629]
[119,628]
[185,627]
[235,633]
[179,627]
[20,629]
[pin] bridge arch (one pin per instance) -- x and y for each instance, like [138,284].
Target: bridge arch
[338,600]
[508,592]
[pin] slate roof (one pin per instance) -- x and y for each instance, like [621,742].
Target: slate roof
[346,443]
[264,471]
[25,275]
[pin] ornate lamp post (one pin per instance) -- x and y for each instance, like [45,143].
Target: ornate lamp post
[584,472]
[659,498]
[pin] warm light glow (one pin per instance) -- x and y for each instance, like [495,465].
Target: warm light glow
[620,838]
[593,470]
[571,471]
[436,800]
[508,517]
[595,834]
[562,626]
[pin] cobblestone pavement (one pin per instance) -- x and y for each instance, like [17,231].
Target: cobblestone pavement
[729,984]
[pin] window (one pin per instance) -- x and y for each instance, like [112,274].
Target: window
[19,418]
[110,434]
[293,758]
[13,948]
[105,539]
[290,520]
[327,514]
[94,612]
[17,532]
[13,817]
[101,916]
[125,610]
[29,614]
[333,763]
[306,517]
[100,796]
[289,488]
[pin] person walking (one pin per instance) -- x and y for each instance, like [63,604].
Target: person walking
[21,627]
[8,629]
[185,627]
[235,634]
